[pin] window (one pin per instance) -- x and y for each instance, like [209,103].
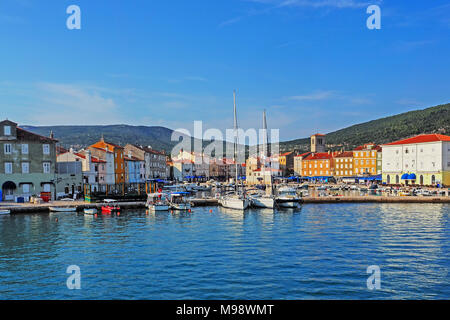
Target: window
[24,148]
[26,188]
[47,187]
[7,130]
[46,148]
[46,166]
[25,167]
[8,167]
[7,148]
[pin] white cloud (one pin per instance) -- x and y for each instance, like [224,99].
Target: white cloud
[73,104]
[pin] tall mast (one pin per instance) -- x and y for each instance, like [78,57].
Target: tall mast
[235,138]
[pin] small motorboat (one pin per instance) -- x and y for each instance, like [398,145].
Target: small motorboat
[178,201]
[62,209]
[287,198]
[157,202]
[90,211]
[4,212]
[110,206]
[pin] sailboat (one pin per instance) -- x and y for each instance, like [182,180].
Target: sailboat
[235,200]
[261,200]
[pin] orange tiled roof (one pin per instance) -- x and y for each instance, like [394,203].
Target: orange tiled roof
[319,156]
[421,139]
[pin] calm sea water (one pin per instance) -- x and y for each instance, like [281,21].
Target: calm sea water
[317,252]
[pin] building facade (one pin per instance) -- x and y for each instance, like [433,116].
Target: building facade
[318,165]
[421,160]
[366,159]
[298,163]
[119,158]
[27,163]
[343,164]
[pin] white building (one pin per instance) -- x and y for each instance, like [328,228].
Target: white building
[423,160]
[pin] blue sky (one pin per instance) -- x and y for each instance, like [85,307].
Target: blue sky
[313,65]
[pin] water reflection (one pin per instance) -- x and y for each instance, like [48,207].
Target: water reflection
[317,251]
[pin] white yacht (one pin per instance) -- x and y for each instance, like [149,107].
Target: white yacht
[287,198]
[157,202]
[263,201]
[234,201]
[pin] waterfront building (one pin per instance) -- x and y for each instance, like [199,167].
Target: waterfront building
[262,172]
[106,164]
[93,169]
[27,163]
[365,160]
[119,158]
[169,168]
[191,165]
[422,160]
[343,164]
[287,163]
[133,169]
[319,164]
[155,162]
[298,163]
[69,179]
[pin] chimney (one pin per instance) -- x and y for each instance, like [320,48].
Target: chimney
[71,150]
[52,136]
[102,139]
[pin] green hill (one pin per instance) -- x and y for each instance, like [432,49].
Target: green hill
[430,120]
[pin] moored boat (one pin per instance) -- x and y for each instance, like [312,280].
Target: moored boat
[287,198]
[157,202]
[262,201]
[178,201]
[90,211]
[110,206]
[4,212]
[234,201]
[62,209]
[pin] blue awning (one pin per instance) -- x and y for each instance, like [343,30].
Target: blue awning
[412,176]
[405,176]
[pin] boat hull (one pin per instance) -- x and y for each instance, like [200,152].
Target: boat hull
[238,204]
[90,211]
[262,202]
[4,212]
[57,209]
[180,206]
[158,207]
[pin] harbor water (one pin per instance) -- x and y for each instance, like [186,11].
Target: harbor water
[321,251]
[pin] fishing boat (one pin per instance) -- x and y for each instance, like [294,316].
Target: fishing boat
[157,202]
[4,212]
[110,206]
[178,201]
[235,200]
[62,209]
[90,211]
[287,198]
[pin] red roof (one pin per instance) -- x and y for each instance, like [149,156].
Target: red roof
[421,139]
[318,134]
[285,154]
[365,147]
[303,154]
[319,156]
